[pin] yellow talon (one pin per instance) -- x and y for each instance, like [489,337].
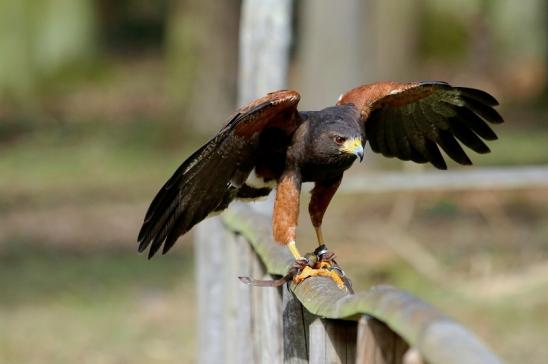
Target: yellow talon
[310,272]
[322,269]
[325,265]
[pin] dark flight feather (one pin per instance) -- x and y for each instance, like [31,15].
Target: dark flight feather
[478,95]
[410,121]
[203,180]
[475,123]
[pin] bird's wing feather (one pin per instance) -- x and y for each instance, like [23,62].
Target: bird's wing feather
[198,186]
[411,121]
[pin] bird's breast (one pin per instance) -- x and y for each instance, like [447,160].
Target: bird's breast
[312,172]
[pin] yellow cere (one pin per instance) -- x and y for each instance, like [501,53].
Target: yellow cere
[351,145]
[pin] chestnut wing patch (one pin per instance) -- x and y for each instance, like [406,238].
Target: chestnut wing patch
[413,121]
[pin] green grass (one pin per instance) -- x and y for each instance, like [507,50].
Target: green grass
[82,162]
[62,306]
[517,146]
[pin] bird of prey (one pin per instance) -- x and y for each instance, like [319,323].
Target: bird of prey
[269,144]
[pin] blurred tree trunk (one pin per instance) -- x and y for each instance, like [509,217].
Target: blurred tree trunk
[202,50]
[265,37]
[330,50]
[235,322]
[341,45]
[16,75]
[344,44]
[520,34]
[392,34]
[38,38]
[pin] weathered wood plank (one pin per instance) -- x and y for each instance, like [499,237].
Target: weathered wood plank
[378,344]
[217,322]
[238,332]
[209,263]
[438,338]
[308,338]
[266,325]
[332,341]
[237,324]
[296,322]
[265,34]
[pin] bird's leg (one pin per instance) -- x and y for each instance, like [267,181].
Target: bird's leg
[324,257]
[324,265]
[319,235]
[321,196]
[321,251]
[294,251]
[286,212]
[284,224]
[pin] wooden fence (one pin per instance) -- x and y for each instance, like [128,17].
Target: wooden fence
[315,321]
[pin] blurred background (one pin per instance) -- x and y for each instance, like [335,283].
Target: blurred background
[101,100]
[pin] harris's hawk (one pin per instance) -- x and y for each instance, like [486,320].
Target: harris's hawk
[269,143]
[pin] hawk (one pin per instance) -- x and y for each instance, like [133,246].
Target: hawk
[269,144]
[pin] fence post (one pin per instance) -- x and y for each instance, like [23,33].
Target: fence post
[377,344]
[237,324]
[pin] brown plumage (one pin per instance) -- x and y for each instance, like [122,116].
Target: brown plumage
[273,141]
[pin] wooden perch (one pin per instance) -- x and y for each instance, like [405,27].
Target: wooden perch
[435,336]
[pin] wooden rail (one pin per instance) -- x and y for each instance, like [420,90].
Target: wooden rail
[486,178]
[315,321]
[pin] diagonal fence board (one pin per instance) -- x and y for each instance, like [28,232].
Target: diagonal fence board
[438,338]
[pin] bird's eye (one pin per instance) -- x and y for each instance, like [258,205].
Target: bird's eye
[339,139]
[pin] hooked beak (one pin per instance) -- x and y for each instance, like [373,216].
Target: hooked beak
[359,153]
[353,146]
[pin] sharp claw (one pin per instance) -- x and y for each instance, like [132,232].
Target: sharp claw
[300,264]
[320,263]
[310,272]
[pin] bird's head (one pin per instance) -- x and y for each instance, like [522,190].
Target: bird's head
[337,134]
[351,146]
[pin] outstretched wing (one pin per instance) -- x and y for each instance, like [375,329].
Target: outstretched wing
[410,120]
[199,185]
